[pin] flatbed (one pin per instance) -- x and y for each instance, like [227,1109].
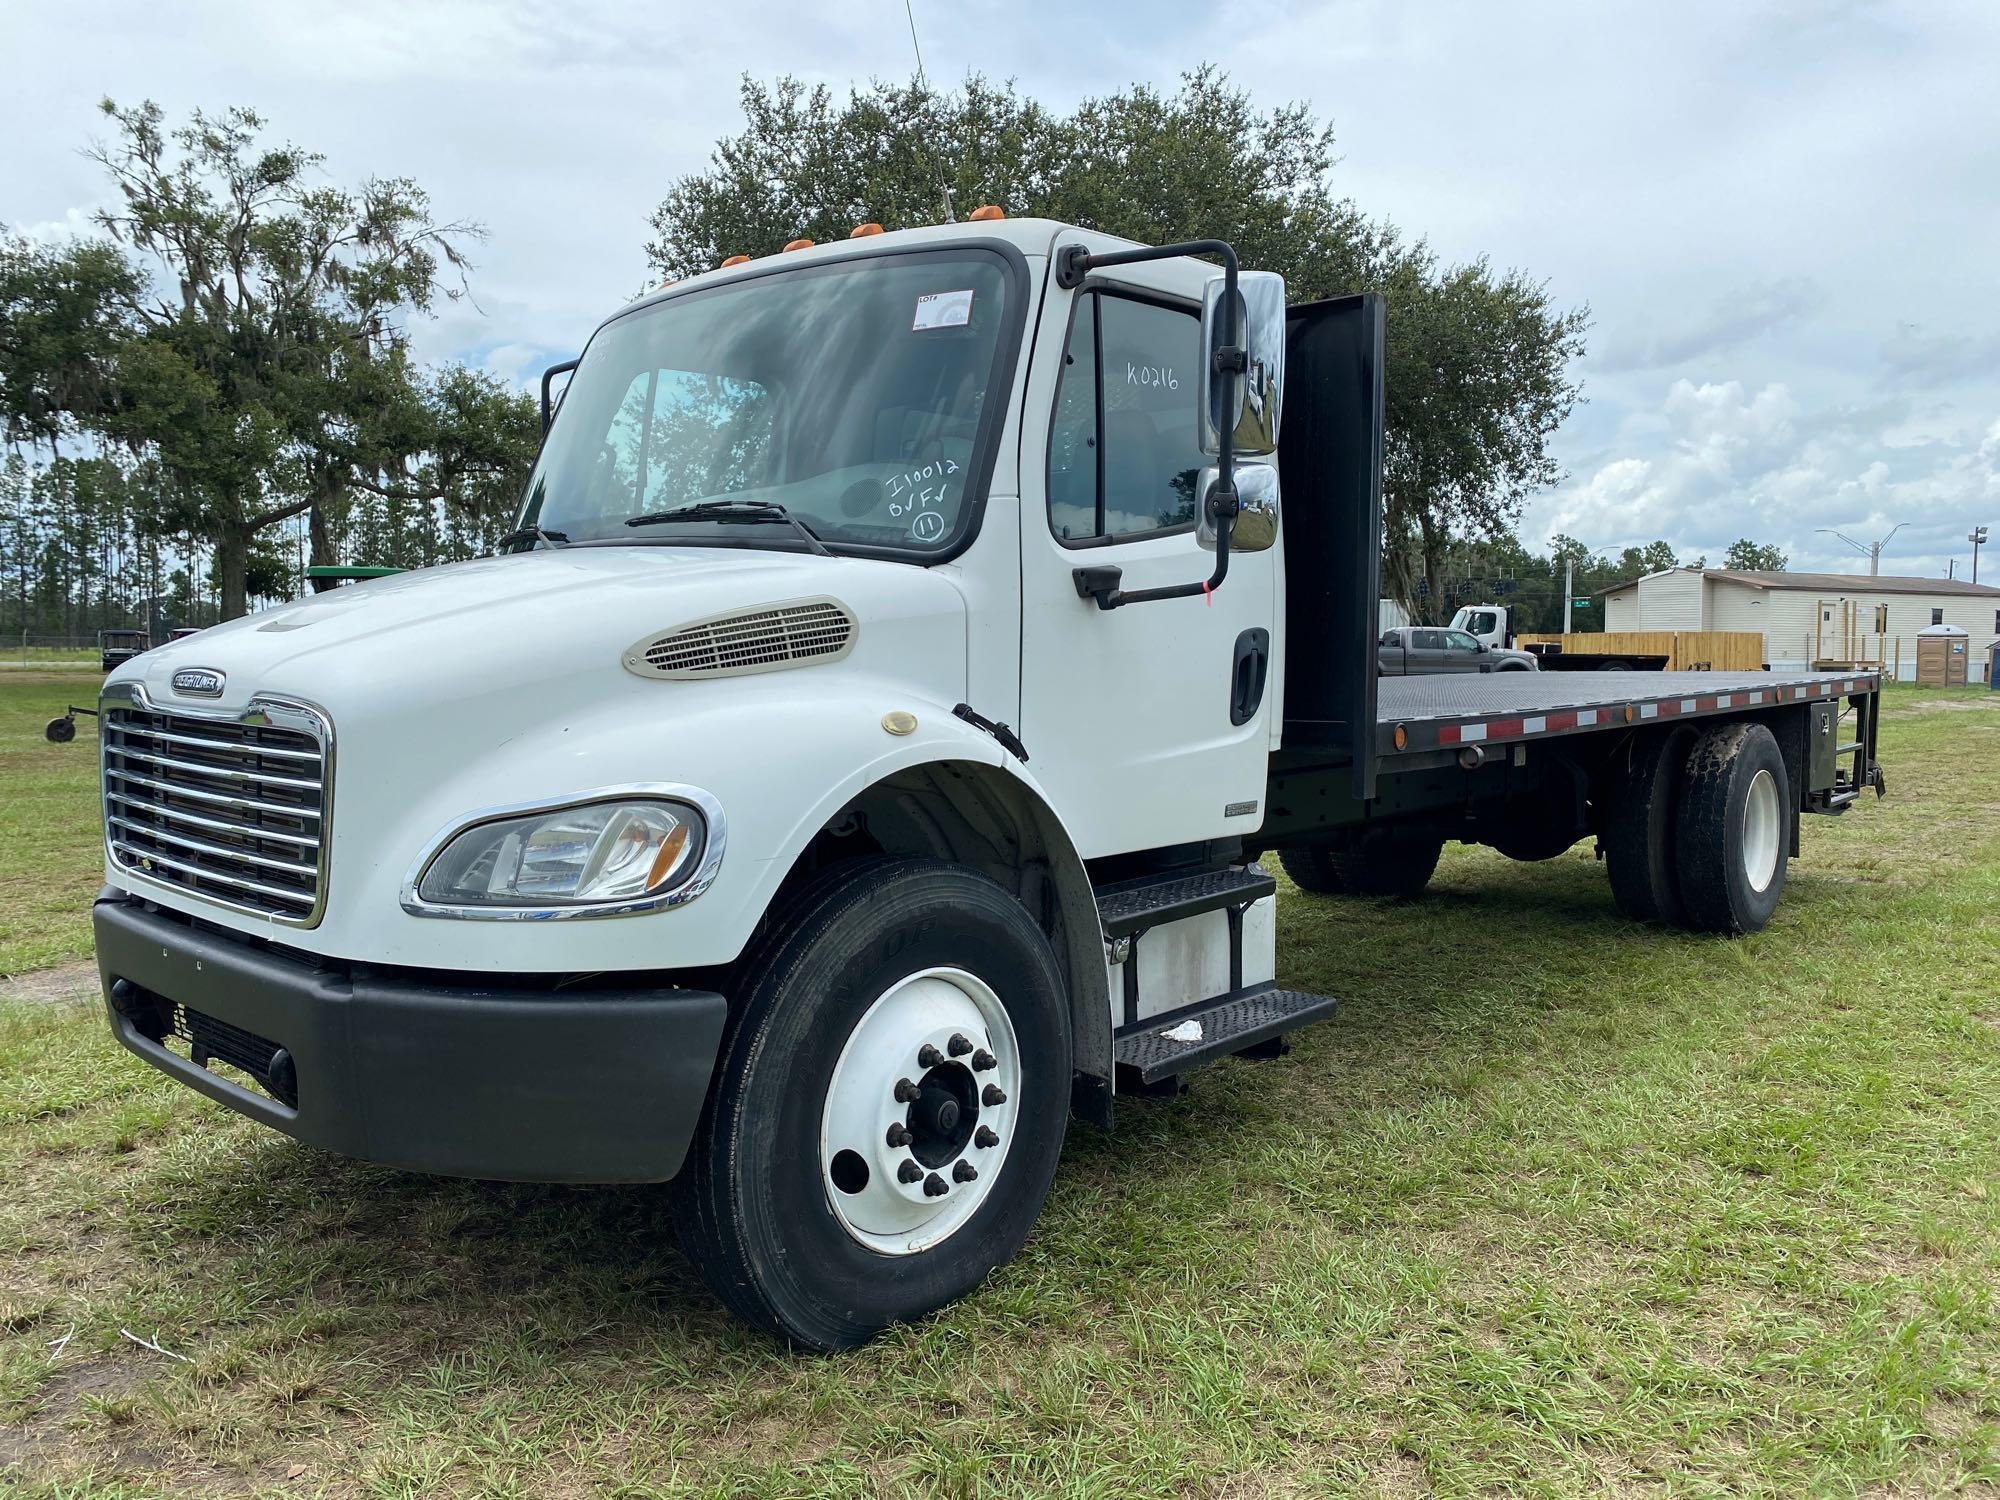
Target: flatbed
[1416,714]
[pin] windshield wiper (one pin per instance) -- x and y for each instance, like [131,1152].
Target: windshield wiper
[734,510]
[532,533]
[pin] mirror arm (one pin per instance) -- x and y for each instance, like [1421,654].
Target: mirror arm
[548,379]
[1073,263]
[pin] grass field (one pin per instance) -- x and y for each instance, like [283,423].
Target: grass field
[51,849]
[1555,1205]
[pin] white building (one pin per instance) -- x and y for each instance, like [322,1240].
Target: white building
[1808,616]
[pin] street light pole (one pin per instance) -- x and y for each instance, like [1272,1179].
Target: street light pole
[1977,537]
[1871,551]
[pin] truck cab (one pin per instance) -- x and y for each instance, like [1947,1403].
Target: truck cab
[856,762]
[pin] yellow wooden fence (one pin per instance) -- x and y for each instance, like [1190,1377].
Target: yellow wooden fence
[1685,650]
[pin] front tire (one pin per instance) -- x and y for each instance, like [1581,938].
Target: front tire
[859,1162]
[1733,830]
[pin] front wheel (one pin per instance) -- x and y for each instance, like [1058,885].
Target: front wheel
[888,1108]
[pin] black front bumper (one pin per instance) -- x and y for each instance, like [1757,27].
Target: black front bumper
[432,1073]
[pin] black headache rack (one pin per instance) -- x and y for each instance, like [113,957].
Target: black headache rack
[1330,450]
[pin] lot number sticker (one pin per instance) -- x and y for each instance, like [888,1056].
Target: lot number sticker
[943,310]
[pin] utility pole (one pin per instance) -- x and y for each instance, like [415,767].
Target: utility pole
[1569,576]
[1977,536]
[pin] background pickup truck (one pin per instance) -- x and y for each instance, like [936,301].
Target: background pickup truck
[1411,650]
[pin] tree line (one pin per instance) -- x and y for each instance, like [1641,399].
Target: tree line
[227,362]
[217,387]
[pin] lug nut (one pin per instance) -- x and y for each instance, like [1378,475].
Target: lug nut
[900,1135]
[906,1091]
[929,1057]
[909,1171]
[984,1061]
[959,1045]
[993,1095]
[935,1187]
[963,1171]
[984,1136]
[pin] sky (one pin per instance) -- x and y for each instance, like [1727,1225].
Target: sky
[1783,216]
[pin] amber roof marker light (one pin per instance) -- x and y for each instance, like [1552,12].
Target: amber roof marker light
[735,260]
[987,211]
[798,245]
[862,231]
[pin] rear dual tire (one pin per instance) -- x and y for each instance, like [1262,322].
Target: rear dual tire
[1390,863]
[1697,829]
[1732,834]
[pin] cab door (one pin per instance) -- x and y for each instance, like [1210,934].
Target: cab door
[1152,723]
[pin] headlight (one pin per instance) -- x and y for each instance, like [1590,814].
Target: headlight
[629,854]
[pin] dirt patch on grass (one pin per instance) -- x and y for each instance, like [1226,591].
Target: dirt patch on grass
[1953,705]
[65,984]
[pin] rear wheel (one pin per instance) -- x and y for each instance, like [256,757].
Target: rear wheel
[1640,829]
[1389,862]
[888,1108]
[1732,829]
[1310,867]
[1535,827]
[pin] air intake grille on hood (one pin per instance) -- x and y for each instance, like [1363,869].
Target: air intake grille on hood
[764,640]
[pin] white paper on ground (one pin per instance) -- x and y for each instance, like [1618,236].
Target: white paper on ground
[1187,1031]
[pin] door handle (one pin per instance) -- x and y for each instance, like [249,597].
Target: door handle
[1247,671]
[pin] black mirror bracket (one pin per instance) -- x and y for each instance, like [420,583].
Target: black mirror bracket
[1073,264]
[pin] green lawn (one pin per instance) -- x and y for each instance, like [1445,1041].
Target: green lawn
[51,838]
[1555,1205]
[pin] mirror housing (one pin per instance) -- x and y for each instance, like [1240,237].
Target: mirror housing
[1256,508]
[1245,404]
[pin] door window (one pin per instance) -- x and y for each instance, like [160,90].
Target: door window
[1458,640]
[1124,455]
[1428,640]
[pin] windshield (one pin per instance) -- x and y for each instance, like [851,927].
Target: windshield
[862,396]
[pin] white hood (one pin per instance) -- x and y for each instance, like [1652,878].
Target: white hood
[542,621]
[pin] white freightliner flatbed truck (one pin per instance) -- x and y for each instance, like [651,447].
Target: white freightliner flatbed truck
[858,761]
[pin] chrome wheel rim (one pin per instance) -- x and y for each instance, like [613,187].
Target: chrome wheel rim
[1762,822]
[921,1111]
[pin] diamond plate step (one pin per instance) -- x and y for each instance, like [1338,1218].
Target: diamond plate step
[1126,909]
[1229,1023]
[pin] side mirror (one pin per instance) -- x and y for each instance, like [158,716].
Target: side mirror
[1246,405]
[1256,508]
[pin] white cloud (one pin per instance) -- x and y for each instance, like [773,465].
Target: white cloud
[1777,213]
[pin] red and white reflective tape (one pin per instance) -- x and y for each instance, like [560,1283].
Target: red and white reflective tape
[1528,725]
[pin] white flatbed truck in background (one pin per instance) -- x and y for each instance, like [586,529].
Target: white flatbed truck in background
[859,760]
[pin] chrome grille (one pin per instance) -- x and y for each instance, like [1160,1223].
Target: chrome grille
[752,641]
[233,810]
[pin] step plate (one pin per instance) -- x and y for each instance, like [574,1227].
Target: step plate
[1228,1025]
[1135,908]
